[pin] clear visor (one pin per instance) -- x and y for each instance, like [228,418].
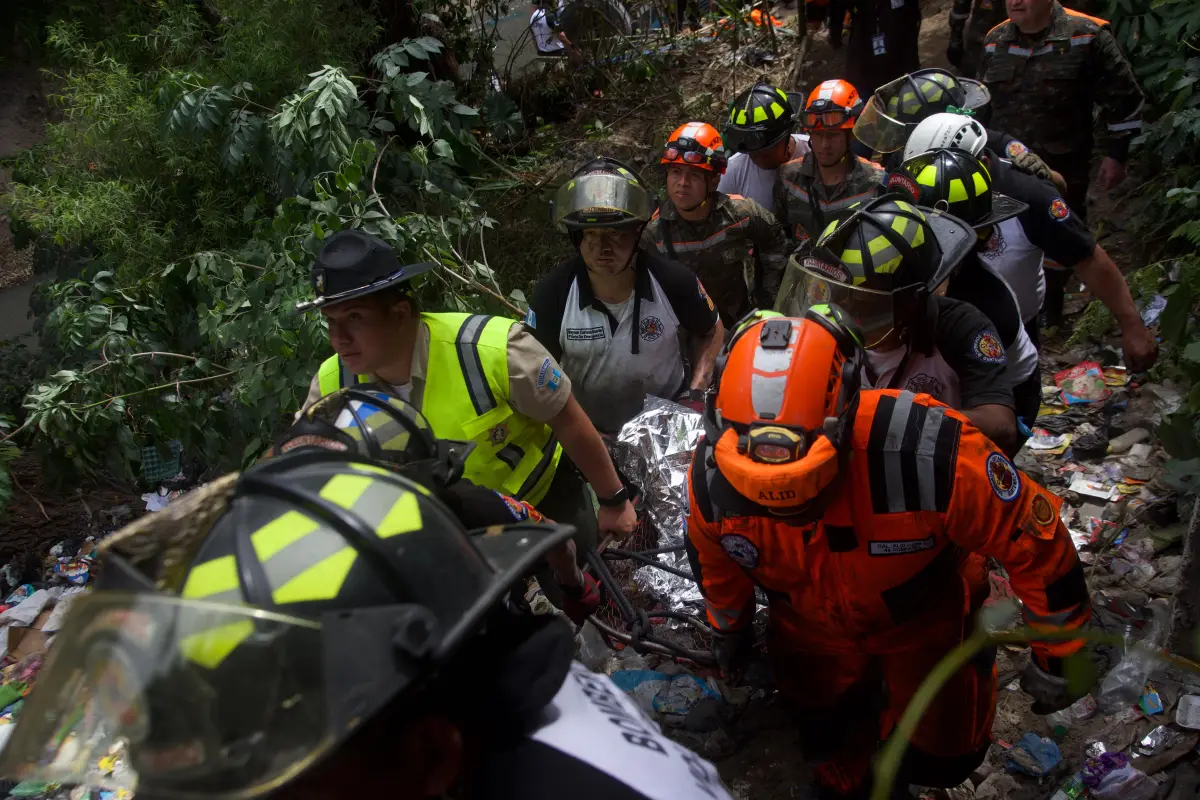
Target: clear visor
[873,310]
[600,199]
[209,700]
[877,130]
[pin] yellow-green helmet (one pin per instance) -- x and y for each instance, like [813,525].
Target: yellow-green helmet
[255,624]
[959,183]
[919,94]
[759,118]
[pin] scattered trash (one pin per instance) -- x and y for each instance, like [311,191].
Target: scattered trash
[1090,446]
[1187,713]
[1158,740]
[1125,683]
[997,786]
[1094,749]
[1153,310]
[1082,383]
[1081,484]
[1112,777]
[1150,702]
[663,694]
[1046,443]
[1033,755]
[74,572]
[1071,789]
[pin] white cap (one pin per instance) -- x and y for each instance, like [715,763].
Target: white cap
[946,132]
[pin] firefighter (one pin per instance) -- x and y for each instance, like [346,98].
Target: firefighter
[894,110]
[759,138]
[376,425]
[323,627]
[829,177]
[732,243]
[622,320]
[474,377]
[886,263]
[1048,232]
[867,518]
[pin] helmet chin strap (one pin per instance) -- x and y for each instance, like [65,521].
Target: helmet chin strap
[699,205]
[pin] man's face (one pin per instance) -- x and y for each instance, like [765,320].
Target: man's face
[1029,12]
[773,157]
[688,187]
[607,251]
[364,332]
[829,147]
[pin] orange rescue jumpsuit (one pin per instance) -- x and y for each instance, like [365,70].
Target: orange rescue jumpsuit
[889,579]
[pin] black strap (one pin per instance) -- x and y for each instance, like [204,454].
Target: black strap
[667,243]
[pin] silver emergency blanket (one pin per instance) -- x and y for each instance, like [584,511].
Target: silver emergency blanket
[654,450]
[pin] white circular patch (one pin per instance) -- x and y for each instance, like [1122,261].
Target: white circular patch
[1005,480]
[741,550]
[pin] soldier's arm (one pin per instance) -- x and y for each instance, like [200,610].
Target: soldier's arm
[999,512]
[728,591]
[1118,95]
[772,248]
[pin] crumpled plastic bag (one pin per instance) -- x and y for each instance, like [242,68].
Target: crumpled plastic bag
[659,693]
[1033,755]
[1112,777]
[26,612]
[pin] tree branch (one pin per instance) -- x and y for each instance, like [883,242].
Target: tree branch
[176,384]
[109,363]
[13,476]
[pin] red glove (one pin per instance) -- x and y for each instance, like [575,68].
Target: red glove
[580,602]
[692,399]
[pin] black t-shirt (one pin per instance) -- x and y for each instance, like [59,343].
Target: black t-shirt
[1049,223]
[962,332]
[479,507]
[976,284]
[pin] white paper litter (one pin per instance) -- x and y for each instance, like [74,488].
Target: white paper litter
[24,613]
[1081,485]
[55,620]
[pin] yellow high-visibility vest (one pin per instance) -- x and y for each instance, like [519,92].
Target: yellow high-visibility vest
[466,386]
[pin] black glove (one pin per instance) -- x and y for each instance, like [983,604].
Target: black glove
[1050,690]
[732,649]
[954,50]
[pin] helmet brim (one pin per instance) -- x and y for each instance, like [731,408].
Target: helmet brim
[956,239]
[1003,208]
[406,273]
[977,94]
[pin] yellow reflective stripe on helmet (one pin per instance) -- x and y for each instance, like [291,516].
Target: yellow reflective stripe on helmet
[981,184]
[877,246]
[919,238]
[760,114]
[900,224]
[404,517]
[397,443]
[781,93]
[345,489]
[777,110]
[212,577]
[935,95]
[321,581]
[373,468]
[280,532]
[852,256]
[741,117]
[209,648]
[958,190]
[891,265]
[828,230]
[928,176]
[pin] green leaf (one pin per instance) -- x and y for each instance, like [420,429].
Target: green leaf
[381,124]
[252,450]
[1192,352]
[465,111]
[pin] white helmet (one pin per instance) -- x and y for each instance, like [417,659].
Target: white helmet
[946,131]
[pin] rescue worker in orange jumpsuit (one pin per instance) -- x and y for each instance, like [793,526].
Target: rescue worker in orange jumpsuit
[867,518]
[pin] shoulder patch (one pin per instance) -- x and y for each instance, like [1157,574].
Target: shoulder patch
[704,295]
[1015,148]
[1004,478]
[1041,510]
[740,549]
[987,348]
[1059,210]
[531,319]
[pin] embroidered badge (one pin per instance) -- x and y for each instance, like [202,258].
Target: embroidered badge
[835,271]
[995,245]
[515,507]
[1003,476]
[1015,149]
[498,434]
[530,319]
[741,550]
[987,348]
[904,183]
[319,280]
[901,548]
[1043,512]
[651,328]
[926,384]
[704,295]
[543,372]
[1059,210]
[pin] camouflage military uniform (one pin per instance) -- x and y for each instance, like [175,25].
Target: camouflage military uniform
[1045,86]
[985,15]
[738,245]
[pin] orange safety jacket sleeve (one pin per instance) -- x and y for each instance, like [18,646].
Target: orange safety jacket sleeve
[998,511]
[728,591]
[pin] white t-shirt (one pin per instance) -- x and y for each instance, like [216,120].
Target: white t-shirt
[1018,261]
[544,38]
[743,177]
[928,374]
[621,310]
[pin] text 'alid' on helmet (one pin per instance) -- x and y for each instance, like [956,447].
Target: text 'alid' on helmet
[832,105]
[881,262]
[604,193]
[696,144]
[786,389]
[958,183]
[279,610]
[759,118]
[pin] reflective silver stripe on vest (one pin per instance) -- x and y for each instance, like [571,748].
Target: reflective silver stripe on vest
[926,475]
[539,470]
[891,452]
[711,241]
[467,343]
[511,455]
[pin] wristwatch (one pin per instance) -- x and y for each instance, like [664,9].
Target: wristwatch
[616,501]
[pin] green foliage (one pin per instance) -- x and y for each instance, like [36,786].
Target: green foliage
[1162,40]
[190,183]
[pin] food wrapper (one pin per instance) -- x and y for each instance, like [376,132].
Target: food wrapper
[654,450]
[1082,383]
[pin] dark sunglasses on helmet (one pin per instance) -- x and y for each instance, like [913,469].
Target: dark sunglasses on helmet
[824,119]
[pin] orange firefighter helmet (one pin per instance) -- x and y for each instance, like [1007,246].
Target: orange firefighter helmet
[696,144]
[833,105]
[786,391]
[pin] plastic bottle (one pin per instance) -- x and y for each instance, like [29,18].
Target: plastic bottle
[1070,789]
[1124,684]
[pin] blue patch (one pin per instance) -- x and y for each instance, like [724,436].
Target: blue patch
[651,328]
[741,550]
[987,348]
[530,319]
[514,507]
[555,379]
[541,379]
[1004,478]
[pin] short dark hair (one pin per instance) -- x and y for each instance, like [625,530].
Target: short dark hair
[395,294]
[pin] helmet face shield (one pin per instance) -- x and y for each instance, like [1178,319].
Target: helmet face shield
[872,309]
[601,200]
[877,129]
